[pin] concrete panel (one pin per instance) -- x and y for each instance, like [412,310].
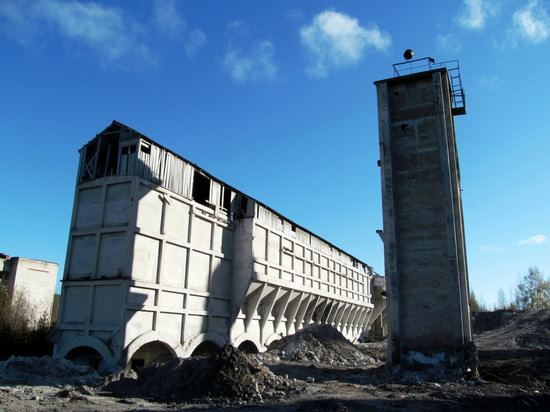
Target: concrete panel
[88,211]
[201,235]
[150,209]
[83,254]
[172,300]
[260,243]
[75,307]
[140,297]
[177,220]
[223,241]
[117,205]
[195,302]
[220,306]
[170,324]
[199,271]
[145,264]
[274,248]
[107,300]
[195,325]
[137,323]
[221,276]
[174,265]
[112,255]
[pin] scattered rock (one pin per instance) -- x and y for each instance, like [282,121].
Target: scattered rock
[229,375]
[320,344]
[45,371]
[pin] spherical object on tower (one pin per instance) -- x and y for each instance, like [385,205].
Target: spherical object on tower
[408,54]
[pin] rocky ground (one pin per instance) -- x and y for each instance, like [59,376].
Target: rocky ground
[315,370]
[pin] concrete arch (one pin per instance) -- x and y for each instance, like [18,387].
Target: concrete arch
[246,336]
[153,336]
[271,338]
[88,341]
[195,341]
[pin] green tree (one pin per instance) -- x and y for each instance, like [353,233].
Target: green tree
[533,292]
[475,304]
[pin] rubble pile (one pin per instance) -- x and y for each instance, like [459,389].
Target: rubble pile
[516,330]
[230,375]
[322,344]
[45,371]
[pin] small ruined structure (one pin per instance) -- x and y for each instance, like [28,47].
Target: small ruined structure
[32,279]
[165,260]
[425,255]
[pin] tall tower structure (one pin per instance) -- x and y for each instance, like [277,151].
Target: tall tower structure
[424,247]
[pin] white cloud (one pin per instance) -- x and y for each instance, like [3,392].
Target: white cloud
[294,14]
[493,248]
[475,13]
[167,17]
[448,43]
[196,40]
[237,26]
[101,28]
[533,240]
[491,82]
[336,40]
[257,63]
[532,23]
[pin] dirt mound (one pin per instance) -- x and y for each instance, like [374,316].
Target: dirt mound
[230,375]
[320,343]
[518,330]
[483,321]
[19,370]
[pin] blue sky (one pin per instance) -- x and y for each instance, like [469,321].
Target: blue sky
[276,98]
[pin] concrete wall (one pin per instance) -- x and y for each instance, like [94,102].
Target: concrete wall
[158,264]
[35,280]
[423,229]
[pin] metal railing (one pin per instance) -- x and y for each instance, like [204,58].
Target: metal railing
[458,99]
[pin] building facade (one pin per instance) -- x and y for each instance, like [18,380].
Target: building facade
[166,260]
[32,279]
[424,246]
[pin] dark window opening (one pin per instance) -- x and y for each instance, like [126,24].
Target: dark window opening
[201,189]
[146,148]
[226,200]
[293,228]
[404,127]
[243,206]
[128,149]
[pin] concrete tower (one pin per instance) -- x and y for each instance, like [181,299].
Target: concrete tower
[424,249]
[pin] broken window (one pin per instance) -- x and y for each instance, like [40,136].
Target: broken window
[243,206]
[226,198]
[101,157]
[201,189]
[145,148]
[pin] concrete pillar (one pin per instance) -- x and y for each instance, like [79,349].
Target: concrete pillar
[424,248]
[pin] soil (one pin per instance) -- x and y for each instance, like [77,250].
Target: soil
[514,375]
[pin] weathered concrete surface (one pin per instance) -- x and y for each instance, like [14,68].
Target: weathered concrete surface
[425,257]
[35,280]
[165,260]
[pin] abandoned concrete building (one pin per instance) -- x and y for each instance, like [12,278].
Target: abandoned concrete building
[166,260]
[424,246]
[32,279]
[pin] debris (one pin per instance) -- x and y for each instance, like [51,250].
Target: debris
[320,344]
[229,375]
[45,371]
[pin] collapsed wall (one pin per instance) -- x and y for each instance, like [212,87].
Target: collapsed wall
[165,260]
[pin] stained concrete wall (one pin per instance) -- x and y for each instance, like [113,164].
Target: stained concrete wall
[35,280]
[153,259]
[424,246]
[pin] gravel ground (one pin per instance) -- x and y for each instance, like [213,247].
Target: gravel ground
[514,375]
